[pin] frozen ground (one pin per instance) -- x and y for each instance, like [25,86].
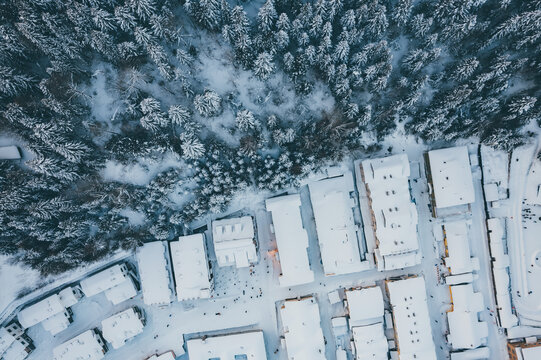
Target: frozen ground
[245,299]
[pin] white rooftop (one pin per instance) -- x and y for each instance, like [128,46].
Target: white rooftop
[302,329]
[103,280]
[6,339]
[459,258]
[82,347]
[56,323]
[17,351]
[451,176]
[166,356]
[190,267]
[481,353]
[365,306]
[531,353]
[337,232]
[395,214]
[370,342]
[38,312]
[291,240]
[234,243]
[153,273]
[121,292]
[9,153]
[229,347]
[67,297]
[121,327]
[411,318]
[465,331]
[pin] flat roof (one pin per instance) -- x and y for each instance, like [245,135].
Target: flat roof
[458,246]
[190,267]
[9,153]
[531,353]
[56,323]
[121,327]
[302,329]
[40,311]
[365,306]
[337,232]
[121,292]
[451,176]
[234,243]
[103,280]
[411,318]
[370,342]
[17,351]
[153,273]
[465,331]
[394,212]
[84,346]
[291,240]
[251,344]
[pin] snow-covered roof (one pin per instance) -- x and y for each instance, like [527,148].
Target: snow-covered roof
[36,313]
[166,356]
[365,306]
[531,353]
[153,273]
[121,327]
[121,292]
[17,351]
[291,240]
[411,318]
[370,342]
[473,354]
[337,232]
[6,339]
[229,347]
[459,258]
[302,329]
[451,176]
[56,323]
[82,347]
[68,297]
[465,331]
[9,153]
[190,267]
[234,241]
[394,213]
[104,280]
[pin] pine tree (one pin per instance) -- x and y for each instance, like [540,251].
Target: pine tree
[245,120]
[263,66]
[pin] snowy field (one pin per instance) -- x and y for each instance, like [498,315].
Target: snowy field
[248,299]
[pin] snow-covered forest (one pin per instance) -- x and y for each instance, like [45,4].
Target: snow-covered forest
[210,98]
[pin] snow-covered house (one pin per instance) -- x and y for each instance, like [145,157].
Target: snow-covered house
[9,153]
[190,267]
[450,177]
[457,245]
[302,329]
[366,311]
[333,200]
[123,326]
[53,312]
[291,240]
[246,346]
[465,330]
[234,242]
[154,273]
[411,318]
[500,269]
[115,281]
[14,344]
[394,215]
[170,355]
[88,346]
[529,349]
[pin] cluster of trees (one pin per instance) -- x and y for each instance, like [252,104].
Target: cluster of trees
[447,69]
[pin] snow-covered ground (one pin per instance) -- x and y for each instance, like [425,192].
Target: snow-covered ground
[245,299]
